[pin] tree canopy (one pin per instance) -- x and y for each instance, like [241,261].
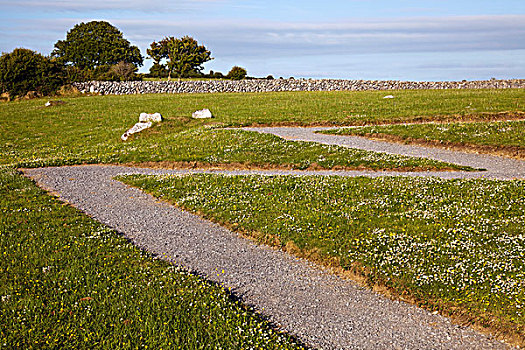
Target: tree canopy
[24,70]
[95,44]
[184,56]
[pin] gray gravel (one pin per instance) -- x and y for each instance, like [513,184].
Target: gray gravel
[496,167]
[319,308]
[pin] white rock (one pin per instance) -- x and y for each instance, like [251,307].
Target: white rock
[147,117]
[388,96]
[136,128]
[54,103]
[203,113]
[92,89]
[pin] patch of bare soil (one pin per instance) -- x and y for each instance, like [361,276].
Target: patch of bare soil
[452,118]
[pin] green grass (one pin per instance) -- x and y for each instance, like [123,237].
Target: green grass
[219,146]
[448,243]
[503,133]
[67,281]
[87,130]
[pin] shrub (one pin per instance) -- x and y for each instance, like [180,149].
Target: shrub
[24,70]
[237,73]
[213,75]
[73,73]
[193,73]
[124,71]
[158,71]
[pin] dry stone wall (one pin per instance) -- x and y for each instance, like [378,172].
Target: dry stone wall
[262,85]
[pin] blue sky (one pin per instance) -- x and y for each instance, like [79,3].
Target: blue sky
[352,39]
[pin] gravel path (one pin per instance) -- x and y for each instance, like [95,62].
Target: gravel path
[496,167]
[319,308]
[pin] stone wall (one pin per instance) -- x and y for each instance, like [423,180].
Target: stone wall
[262,85]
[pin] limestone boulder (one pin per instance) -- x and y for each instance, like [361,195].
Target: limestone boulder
[150,117]
[135,129]
[202,114]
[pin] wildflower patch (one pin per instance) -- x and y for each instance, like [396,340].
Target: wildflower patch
[449,243]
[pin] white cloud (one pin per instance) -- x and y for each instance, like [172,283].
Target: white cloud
[315,46]
[151,6]
[254,38]
[365,36]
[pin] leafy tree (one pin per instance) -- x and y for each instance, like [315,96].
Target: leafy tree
[24,70]
[184,56]
[237,73]
[158,51]
[94,44]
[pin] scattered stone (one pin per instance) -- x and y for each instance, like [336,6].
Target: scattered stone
[389,96]
[147,117]
[54,103]
[135,129]
[146,120]
[202,114]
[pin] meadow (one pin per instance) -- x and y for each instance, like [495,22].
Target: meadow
[67,281]
[88,129]
[456,246]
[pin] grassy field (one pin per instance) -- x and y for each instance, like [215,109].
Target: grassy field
[452,245]
[304,108]
[67,281]
[215,147]
[511,133]
[88,129]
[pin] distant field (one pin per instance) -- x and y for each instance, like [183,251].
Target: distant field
[452,245]
[88,129]
[305,108]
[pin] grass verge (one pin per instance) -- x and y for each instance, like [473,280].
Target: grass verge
[503,137]
[213,147]
[67,281]
[451,245]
